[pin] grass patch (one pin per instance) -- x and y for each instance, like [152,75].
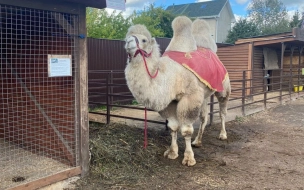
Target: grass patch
[239,119]
[98,108]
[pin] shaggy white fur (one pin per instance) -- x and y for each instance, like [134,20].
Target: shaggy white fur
[202,35]
[175,92]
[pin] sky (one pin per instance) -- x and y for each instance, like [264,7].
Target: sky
[239,7]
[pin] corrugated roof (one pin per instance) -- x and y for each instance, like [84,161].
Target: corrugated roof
[201,9]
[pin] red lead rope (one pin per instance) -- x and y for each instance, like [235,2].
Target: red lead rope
[148,69]
[145,54]
[146,125]
[146,130]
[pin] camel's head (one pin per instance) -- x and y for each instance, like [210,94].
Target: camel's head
[139,39]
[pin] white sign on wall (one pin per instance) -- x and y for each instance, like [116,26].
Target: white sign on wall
[59,65]
[116,4]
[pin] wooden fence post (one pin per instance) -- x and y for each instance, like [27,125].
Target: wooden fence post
[108,97]
[243,92]
[211,108]
[265,85]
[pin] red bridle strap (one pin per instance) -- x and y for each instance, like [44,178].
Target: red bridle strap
[144,54]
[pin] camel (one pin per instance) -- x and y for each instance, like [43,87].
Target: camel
[160,83]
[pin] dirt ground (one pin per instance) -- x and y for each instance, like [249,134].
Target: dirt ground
[263,151]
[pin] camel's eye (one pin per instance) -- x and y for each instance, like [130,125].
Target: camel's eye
[144,41]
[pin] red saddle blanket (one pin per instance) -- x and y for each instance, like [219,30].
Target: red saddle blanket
[204,64]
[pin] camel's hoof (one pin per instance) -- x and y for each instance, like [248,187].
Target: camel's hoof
[188,162]
[196,145]
[170,154]
[223,137]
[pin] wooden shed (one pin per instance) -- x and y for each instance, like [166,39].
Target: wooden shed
[43,99]
[279,55]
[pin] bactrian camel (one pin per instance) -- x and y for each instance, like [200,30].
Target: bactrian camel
[160,83]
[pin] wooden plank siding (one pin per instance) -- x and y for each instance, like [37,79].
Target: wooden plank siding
[235,59]
[257,70]
[294,66]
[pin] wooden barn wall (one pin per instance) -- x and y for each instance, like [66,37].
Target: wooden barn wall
[294,66]
[257,73]
[26,41]
[105,55]
[235,59]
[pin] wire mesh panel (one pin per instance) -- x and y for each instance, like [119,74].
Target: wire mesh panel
[38,134]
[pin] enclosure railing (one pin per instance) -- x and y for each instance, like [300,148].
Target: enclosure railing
[111,91]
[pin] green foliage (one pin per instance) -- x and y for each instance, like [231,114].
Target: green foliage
[134,102]
[239,119]
[101,24]
[156,19]
[270,16]
[242,29]
[296,21]
[98,108]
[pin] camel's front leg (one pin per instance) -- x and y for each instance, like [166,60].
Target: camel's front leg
[187,131]
[172,152]
[188,109]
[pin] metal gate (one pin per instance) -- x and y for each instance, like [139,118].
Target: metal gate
[38,115]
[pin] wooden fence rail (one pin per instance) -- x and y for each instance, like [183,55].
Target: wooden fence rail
[290,86]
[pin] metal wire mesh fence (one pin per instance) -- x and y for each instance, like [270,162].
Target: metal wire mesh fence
[38,135]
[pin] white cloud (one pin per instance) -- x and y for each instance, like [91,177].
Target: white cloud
[241,1]
[291,13]
[293,3]
[201,1]
[138,3]
[132,5]
[238,17]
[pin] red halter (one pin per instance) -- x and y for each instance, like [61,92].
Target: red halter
[144,54]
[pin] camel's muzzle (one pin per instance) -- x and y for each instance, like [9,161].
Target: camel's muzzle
[139,50]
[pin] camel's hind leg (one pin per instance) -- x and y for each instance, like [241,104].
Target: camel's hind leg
[204,119]
[223,100]
[172,152]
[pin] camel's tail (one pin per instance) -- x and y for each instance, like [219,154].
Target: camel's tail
[182,39]
[201,32]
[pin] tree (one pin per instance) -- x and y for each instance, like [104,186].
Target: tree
[302,21]
[101,24]
[270,16]
[242,29]
[296,21]
[156,19]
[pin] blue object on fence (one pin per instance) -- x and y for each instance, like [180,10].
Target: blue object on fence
[82,36]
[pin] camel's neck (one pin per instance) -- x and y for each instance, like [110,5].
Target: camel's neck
[153,93]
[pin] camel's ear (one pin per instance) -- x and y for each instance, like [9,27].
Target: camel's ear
[153,41]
